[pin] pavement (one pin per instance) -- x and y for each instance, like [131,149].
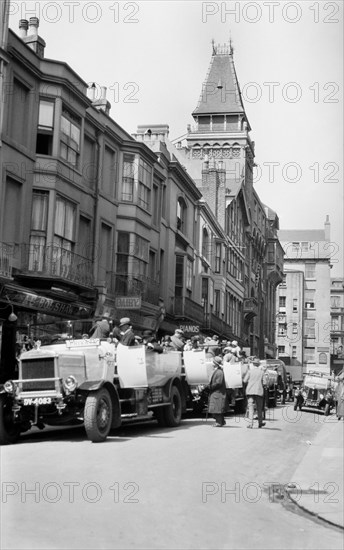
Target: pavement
[319,478]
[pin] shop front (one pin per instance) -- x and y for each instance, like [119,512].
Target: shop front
[27,316]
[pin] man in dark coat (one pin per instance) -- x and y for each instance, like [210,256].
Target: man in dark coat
[218,397]
[151,343]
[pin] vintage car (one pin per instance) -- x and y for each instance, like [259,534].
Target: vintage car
[316,391]
[90,382]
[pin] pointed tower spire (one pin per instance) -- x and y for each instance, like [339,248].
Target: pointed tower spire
[221,92]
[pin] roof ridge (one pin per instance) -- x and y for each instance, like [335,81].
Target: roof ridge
[205,82]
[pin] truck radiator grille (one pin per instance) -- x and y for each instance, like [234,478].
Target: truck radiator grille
[38,368]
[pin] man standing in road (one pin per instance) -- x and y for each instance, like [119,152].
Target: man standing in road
[218,397]
[255,392]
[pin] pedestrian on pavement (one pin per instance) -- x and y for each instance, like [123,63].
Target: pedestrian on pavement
[127,333]
[218,396]
[255,392]
[339,398]
[101,329]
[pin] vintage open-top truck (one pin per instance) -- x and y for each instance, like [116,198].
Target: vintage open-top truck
[91,382]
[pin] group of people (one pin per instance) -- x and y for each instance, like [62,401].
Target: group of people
[253,374]
[123,333]
[253,378]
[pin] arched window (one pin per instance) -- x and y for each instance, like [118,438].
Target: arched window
[181,215]
[322,358]
[196,151]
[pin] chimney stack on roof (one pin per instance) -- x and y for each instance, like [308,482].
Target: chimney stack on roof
[29,34]
[101,104]
[23,27]
[33,26]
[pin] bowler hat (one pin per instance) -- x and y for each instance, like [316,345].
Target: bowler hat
[179,331]
[124,321]
[217,361]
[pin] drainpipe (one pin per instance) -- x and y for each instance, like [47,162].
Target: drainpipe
[96,210]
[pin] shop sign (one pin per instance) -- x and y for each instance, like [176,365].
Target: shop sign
[47,305]
[128,302]
[192,329]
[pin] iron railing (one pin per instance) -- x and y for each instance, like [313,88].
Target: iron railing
[6,260]
[60,263]
[120,284]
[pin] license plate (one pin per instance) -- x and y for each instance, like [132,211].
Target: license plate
[37,401]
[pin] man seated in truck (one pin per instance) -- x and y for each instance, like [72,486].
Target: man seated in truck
[127,333]
[151,343]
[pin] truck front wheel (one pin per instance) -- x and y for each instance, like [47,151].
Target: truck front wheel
[98,415]
[9,431]
[173,412]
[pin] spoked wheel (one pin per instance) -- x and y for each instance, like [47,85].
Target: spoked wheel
[98,415]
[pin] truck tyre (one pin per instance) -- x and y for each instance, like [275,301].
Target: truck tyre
[98,415]
[173,412]
[159,414]
[9,432]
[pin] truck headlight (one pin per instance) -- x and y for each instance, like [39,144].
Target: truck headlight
[9,386]
[70,383]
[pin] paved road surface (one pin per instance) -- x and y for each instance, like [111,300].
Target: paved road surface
[147,487]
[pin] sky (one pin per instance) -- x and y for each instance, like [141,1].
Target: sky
[153,56]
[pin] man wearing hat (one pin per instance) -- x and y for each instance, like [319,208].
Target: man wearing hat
[177,340]
[254,379]
[127,333]
[101,329]
[218,395]
[236,349]
[150,341]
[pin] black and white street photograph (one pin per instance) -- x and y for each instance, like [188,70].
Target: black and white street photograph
[171,275]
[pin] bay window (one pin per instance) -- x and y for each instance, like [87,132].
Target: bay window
[70,138]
